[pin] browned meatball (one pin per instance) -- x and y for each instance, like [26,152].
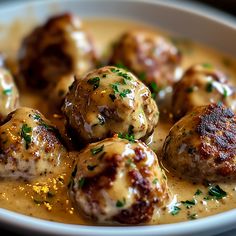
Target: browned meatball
[149,56]
[118,181]
[109,100]
[9,96]
[202,145]
[202,84]
[59,47]
[29,145]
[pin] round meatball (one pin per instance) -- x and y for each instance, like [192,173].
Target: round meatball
[149,56]
[29,145]
[9,95]
[57,48]
[118,181]
[202,145]
[57,93]
[107,101]
[202,84]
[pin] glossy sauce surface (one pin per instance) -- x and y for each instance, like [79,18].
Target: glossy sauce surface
[47,198]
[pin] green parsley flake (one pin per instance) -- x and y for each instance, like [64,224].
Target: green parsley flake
[154,87]
[225,93]
[121,203]
[95,151]
[142,76]
[198,192]
[95,82]
[124,93]
[217,192]
[26,134]
[155,181]
[7,91]
[189,203]
[115,87]
[175,210]
[207,65]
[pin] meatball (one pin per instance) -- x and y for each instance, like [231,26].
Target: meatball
[202,145]
[57,48]
[106,101]
[200,85]
[118,181]
[57,93]
[9,95]
[149,56]
[29,145]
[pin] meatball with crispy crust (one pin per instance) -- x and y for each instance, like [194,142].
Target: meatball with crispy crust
[109,100]
[118,181]
[202,145]
[58,48]
[202,84]
[29,145]
[9,96]
[149,56]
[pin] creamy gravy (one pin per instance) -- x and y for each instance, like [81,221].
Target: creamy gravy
[48,198]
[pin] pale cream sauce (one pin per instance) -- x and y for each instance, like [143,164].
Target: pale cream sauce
[48,198]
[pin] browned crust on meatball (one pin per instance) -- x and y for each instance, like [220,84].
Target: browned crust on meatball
[218,124]
[161,70]
[43,57]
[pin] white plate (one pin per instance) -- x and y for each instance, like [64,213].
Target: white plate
[207,26]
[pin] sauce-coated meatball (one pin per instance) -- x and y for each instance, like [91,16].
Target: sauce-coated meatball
[9,96]
[202,145]
[202,84]
[107,101]
[118,181]
[29,145]
[149,56]
[57,48]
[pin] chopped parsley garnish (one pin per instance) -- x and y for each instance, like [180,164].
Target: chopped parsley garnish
[175,210]
[36,117]
[189,203]
[192,216]
[225,93]
[115,87]
[121,203]
[129,137]
[81,182]
[95,151]
[207,65]
[7,91]
[209,87]
[155,181]
[198,192]
[114,70]
[154,87]
[112,97]
[121,65]
[142,76]
[95,82]
[26,134]
[217,192]
[124,93]
[91,167]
